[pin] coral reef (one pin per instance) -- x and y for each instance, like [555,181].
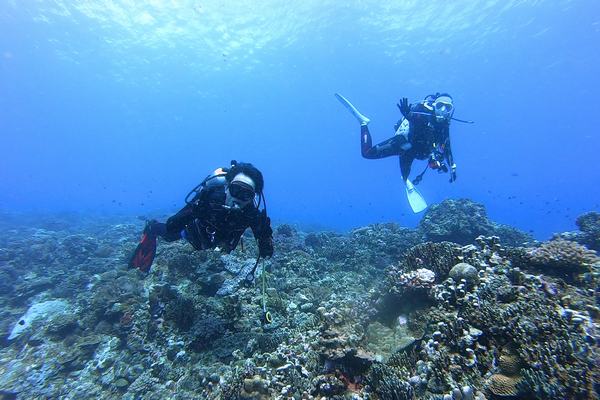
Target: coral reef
[562,257]
[376,313]
[461,221]
[466,272]
[589,225]
[505,382]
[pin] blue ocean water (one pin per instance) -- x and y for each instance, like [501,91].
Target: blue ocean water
[121,107]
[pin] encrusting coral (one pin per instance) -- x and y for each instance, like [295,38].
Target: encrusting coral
[562,256]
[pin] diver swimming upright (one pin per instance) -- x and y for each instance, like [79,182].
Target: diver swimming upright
[222,207]
[422,133]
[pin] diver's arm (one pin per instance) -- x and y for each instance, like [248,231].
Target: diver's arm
[261,228]
[415,113]
[450,160]
[178,222]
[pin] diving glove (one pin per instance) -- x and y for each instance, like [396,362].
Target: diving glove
[265,247]
[404,107]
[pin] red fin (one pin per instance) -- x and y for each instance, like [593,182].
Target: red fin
[143,256]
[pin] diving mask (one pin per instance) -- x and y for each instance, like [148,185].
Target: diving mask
[241,191]
[443,108]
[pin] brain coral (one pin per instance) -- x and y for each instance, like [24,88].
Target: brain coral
[504,386]
[509,363]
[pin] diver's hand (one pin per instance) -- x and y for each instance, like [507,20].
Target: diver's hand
[404,107]
[265,247]
[452,173]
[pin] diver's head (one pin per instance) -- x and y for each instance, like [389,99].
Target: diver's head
[244,181]
[443,107]
[241,190]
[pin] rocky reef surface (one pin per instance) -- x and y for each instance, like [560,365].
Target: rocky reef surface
[459,308]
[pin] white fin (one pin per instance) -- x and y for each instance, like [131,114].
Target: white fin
[416,201]
[361,118]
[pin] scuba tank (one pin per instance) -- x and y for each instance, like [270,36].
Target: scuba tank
[402,128]
[217,178]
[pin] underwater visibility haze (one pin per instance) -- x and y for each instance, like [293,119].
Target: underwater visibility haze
[112,111]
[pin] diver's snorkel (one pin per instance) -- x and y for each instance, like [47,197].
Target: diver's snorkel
[443,108]
[464,121]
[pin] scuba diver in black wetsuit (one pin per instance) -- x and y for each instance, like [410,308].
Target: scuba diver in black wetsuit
[222,207]
[423,133]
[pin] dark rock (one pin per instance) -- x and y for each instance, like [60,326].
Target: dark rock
[62,327]
[181,312]
[180,263]
[205,331]
[223,347]
[211,284]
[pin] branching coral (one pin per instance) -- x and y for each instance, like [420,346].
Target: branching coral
[438,257]
[389,384]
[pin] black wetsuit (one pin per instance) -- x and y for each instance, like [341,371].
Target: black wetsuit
[426,136]
[206,222]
